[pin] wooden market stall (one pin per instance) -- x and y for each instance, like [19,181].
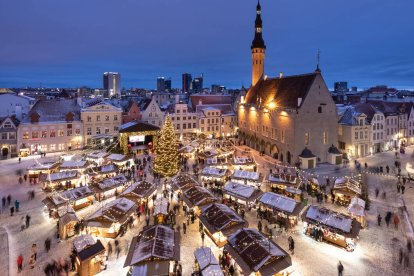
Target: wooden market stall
[314,185]
[280,181]
[257,255]
[153,251]
[241,193]
[67,222]
[333,227]
[109,187]
[121,160]
[281,209]
[107,221]
[60,180]
[139,191]
[205,263]
[244,163]
[246,177]
[294,193]
[214,174]
[104,171]
[196,197]
[77,198]
[182,182]
[74,165]
[97,157]
[220,221]
[160,210]
[90,255]
[356,209]
[42,168]
[344,189]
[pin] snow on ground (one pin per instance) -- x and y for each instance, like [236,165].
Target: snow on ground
[376,252]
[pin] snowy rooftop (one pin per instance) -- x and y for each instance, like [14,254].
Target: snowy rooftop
[349,184]
[279,202]
[330,218]
[207,262]
[73,164]
[114,211]
[82,242]
[357,207]
[60,176]
[161,206]
[112,182]
[240,160]
[71,195]
[139,189]
[282,177]
[156,242]
[254,249]
[240,174]
[97,154]
[108,168]
[214,171]
[43,166]
[218,217]
[183,181]
[241,190]
[197,195]
[117,157]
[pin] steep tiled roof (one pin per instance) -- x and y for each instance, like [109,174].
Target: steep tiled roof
[209,99]
[226,109]
[54,110]
[284,91]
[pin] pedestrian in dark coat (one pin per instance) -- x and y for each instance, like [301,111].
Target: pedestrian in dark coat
[340,269]
[259,226]
[8,200]
[27,221]
[3,201]
[73,261]
[184,227]
[379,218]
[388,218]
[402,189]
[47,244]
[17,205]
[11,211]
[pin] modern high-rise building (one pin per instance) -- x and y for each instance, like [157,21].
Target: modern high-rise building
[160,84]
[341,86]
[215,88]
[167,84]
[112,84]
[186,83]
[197,84]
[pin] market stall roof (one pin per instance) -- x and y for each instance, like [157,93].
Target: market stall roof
[43,166]
[243,160]
[137,126]
[142,189]
[86,247]
[159,268]
[97,154]
[357,207]
[240,174]
[160,206]
[183,182]
[58,199]
[67,218]
[212,171]
[207,262]
[116,157]
[218,217]
[347,185]
[331,219]
[294,190]
[158,242]
[105,169]
[197,196]
[281,203]
[282,178]
[187,149]
[117,210]
[254,252]
[109,183]
[59,176]
[208,153]
[242,191]
[73,165]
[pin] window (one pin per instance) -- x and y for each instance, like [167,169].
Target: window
[216,127]
[52,133]
[194,125]
[69,132]
[202,121]
[208,128]
[306,138]
[98,130]
[361,135]
[115,117]
[366,135]
[12,135]
[178,118]
[208,121]
[373,136]
[216,120]
[35,134]
[178,111]
[356,135]
[178,126]
[26,135]
[283,136]
[7,125]
[202,129]
[44,133]
[89,118]
[52,147]
[188,125]
[106,130]
[184,118]
[184,126]
[89,131]
[361,122]
[325,137]
[319,109]
[106,118]
[4,136]
[98,117]
[115,129]
[77,131]
[194,117]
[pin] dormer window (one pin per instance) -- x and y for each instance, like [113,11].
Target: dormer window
[361,122]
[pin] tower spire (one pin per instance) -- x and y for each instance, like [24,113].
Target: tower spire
[318,57]
[258,41]
[258,47]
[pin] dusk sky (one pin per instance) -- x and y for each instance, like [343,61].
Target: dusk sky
[71,43]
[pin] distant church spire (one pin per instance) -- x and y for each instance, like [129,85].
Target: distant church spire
[318,57]
[258,48]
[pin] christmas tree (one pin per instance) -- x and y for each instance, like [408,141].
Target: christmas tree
[166,160]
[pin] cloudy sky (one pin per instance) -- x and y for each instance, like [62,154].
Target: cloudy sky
[71,43]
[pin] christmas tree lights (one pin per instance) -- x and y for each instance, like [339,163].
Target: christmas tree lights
[166,160]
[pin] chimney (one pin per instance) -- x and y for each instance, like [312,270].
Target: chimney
[281,75]
[177,98]
[200,102]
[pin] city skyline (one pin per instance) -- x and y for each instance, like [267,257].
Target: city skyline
[142,46]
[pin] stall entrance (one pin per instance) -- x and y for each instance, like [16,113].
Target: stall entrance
[5,151]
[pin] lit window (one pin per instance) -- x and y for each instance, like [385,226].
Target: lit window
[306,138]
[35,135]
[325,138]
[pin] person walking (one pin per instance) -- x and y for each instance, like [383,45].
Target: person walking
[8,200]
[388,218]
[402,189]
[202,237]
[3,201]
[109,248]
[27,221]
[396,221]
[47,244]
[20,180]
[400,256]
[11,211]
[184,227]
[17,205]
[20,263]
[73,261]
[379,218]
[340,269]
[25,177]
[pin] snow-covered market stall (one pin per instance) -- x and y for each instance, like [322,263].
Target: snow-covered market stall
[67,222]
[205,263]
[108,221]
[244,163]
[60,180]
[214,174]
[90,255]
[280,181]
[255,254]
[196,196]
[109,187]
[241,193]
[77,165]
[357,210]
[280,209]
[97,173]
[160,210]
[97,157]
[246,177]
[344,189]
[182,182]
[120,160]
[220,221]
[42,168]
[139,192]
[153,251]
[77,198]
[322,223]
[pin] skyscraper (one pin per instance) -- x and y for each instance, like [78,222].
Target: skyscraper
[160,84]
[186,83]
[112,84]
[167,84]
[197,85]
[341,86]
